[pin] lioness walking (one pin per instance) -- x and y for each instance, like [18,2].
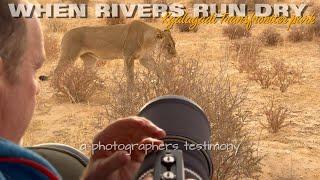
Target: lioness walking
[136,40]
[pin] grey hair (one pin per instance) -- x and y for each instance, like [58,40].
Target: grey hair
[12,39]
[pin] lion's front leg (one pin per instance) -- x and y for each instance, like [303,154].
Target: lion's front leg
[129,70]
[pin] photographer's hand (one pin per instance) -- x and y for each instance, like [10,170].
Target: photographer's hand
[108,165]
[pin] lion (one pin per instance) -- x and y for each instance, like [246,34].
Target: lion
[136,40]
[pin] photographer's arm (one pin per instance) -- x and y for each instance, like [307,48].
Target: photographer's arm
[119,164]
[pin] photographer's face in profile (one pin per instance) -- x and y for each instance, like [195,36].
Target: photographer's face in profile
[17,99]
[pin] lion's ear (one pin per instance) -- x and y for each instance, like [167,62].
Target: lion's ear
[159,35]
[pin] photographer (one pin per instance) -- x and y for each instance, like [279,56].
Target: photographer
[21,55]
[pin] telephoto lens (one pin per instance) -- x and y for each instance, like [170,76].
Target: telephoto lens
[185,153]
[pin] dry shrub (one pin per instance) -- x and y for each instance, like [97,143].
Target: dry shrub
[51,45]
[77,85]
[300,34]
[316,11]
[247,54]
[221,101]
[115,20]
[55,25]
[314,29]
[265,76]
[286,75]
[276,115]
[228,124]
[270,37]
[236,31]
[185,27]
[295,35]
[278,74]
[170,77]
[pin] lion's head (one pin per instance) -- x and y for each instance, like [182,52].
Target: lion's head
[168,46]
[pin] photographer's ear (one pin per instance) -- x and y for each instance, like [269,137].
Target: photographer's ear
[2,74]
[1,67]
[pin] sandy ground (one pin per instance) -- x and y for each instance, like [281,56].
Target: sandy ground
[293,153]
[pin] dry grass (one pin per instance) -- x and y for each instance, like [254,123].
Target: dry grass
[270,37]
[114,21]
[222,102]
[205,1]
[155,1]
[316,11]
[276,115]
[152,20]
[77,85]
[77,1]
[81,132]
[52,46]
[246,54]
[235,32]
[55,25]
[286,75]
[251,3]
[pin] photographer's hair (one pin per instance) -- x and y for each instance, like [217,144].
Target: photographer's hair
[12,39]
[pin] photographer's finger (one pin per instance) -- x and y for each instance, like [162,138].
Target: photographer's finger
[132,122]
[107,166]
[151,144]
[149,129]
[148,145]
[149,123]
[138,156]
